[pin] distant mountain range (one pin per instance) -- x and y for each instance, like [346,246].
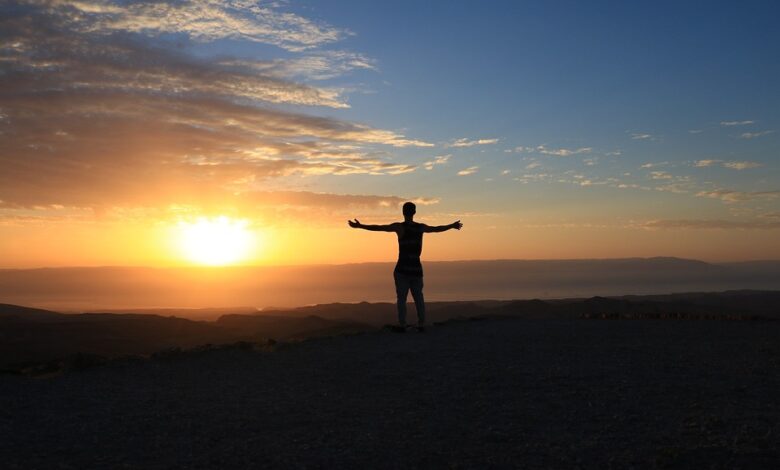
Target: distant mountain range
[102,288]
[30,337]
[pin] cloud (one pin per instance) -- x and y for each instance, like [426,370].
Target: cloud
[736,123]
[268,208]
[200,20]
[709,224]
[49,56]
[660,175]
[464,142]
[468,171]
[733,165]
[741,165]
[95,114]
[533,165]
[438,160]
[731,196]
[615,153]
[676,188]
[310,200]
[654,165]
[562,152]
[640,136]
[695,131]
[321,65]
[426,201]
[753,135]
[528,178]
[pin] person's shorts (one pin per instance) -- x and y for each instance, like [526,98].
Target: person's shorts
[404,283]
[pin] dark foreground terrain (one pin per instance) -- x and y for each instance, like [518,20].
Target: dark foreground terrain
[511,392]
[38,342]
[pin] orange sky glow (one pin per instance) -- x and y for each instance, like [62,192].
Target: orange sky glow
[227,133]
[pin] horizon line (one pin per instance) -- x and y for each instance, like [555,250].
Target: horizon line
[473,260]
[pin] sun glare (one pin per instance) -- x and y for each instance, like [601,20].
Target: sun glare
[215,241]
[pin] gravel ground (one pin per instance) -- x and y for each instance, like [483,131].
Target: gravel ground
[492,393]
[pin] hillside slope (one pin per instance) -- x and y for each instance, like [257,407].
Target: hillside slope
[467,394]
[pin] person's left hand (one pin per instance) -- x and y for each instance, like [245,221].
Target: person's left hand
[354,224]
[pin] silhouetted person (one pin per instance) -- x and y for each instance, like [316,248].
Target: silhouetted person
[408,271]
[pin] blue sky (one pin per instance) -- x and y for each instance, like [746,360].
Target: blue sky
[659,82]
[652,125]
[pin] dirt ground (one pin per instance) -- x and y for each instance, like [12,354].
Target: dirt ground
[472,394]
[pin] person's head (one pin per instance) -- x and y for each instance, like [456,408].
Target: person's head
[409,210]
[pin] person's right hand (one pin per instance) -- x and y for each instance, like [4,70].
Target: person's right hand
[457,225]
[354,224]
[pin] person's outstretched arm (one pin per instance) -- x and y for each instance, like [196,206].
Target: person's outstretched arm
[374,228]
[443,228]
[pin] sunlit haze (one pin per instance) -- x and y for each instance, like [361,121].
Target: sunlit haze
[216,242]
[221,132]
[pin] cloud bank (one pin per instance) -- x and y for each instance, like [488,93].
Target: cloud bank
[105,104]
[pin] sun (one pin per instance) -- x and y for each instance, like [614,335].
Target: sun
[216,241]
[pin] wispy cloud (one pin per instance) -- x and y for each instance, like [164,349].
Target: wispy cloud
[267,208]
[464,142]
[201,20]
[640,136]
[653,164]
[709,224]
[558,152]
[468,171]
[676,188]
[310,200]
[320,65]
[731,196]
[753,135]
[562,152]
[732,165]
[438,160]
[736,123]
[741,165]
[51,57]
[661,175]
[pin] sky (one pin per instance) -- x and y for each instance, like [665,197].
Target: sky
[551,129]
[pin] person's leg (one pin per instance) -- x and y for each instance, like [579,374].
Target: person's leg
[416,286]
[401,291]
